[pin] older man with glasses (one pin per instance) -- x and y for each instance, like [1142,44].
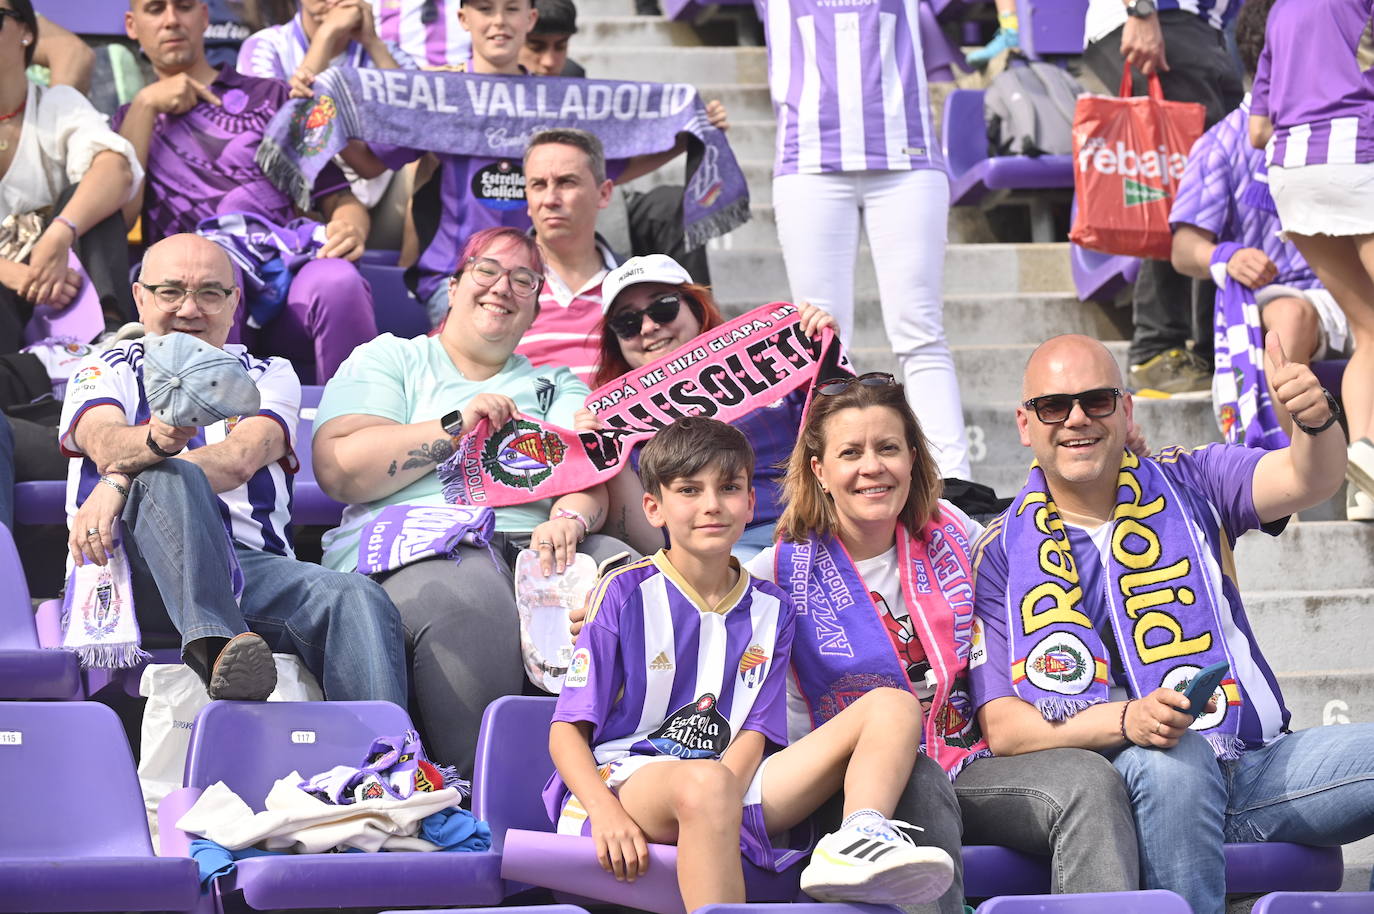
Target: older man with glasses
[1103,591]
[195,508]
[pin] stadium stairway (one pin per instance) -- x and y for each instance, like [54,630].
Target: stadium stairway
[1306,591]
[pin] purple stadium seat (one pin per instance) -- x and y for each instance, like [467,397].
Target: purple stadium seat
[1330,372]
[40,502]
[814,907]
[992,870]
[309,504]
[1153,902]
[249,745]
[514,909]
[941,55]
[1051,27]
[397,312]
[1315,903]
[27,669]
[977,179]
[507,796]
[1098,276]
[76,835]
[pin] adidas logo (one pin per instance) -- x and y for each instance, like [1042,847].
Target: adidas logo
[661,662]
[1137,193]
[868,849]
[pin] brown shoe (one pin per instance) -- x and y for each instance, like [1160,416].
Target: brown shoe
[1177,371]
[244,670]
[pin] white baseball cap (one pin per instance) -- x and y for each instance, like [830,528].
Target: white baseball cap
[636,270]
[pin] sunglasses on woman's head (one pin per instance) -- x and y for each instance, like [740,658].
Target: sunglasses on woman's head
[627,324]
[835,386]
[1052,409]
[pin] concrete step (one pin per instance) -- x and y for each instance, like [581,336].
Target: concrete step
[1309,556]
[592,9]
[612,33]
[758,175]
[1328,697]
[984,319]
[744,102]
[699,66]
[1301,630]
[740,274]
[761,231]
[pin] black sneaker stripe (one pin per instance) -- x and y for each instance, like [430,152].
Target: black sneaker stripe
[867,849]
[881,850]
[857,848]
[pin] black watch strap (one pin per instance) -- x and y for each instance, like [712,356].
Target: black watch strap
[1330,421]
[453,423]
[152,446]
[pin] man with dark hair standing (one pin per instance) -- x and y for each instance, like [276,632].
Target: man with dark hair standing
[1183,43]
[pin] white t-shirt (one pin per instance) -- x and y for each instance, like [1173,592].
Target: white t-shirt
[880,576]
[62,133]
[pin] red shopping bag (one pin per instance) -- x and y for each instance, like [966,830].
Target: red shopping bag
[1129,154]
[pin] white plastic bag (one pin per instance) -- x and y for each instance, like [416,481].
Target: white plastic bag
[175,696]
[543,604]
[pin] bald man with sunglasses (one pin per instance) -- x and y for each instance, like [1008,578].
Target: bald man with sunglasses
[1103,590]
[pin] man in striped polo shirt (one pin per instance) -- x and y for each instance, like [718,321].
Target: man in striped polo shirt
[1182,41]
[565,187]
[197,504]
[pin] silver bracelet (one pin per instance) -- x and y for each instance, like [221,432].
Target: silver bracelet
[114,485]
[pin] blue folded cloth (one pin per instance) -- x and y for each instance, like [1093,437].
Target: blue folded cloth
[215,860]
[456,829]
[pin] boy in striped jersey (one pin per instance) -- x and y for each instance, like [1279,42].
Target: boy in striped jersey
[684,659]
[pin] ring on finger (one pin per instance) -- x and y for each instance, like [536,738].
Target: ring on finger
[92,531]
[1159,727]
[545,543]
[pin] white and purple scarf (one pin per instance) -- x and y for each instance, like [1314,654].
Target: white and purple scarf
[1240,391]
[475,115]
[841,648]
[267,256]
[402,534]
[1157,588]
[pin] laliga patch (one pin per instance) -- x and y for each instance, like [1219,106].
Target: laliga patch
[580,668]
[978,647]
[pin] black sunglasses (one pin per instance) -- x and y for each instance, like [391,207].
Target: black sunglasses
[835,386]
[627,324]
[1052,409]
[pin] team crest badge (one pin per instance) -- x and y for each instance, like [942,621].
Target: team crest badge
[311,126]
[1061,663]
[1227,694]
[752,666]
[848,689]
[521,455]
[100,615]
[1228,423]
[373,791]
[956,721]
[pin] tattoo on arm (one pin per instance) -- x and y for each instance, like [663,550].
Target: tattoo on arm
[391,470]
[620,528]
[437,452]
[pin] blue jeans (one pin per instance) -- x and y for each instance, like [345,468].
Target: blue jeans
[343,626]
[6,473]
[1311,787]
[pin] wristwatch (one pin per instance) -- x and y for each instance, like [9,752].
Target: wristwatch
[453,423]
[1335,414]
[1141,9]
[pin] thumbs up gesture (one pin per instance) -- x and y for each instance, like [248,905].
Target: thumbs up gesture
[1297,387]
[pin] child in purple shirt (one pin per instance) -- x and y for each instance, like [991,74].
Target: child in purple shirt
[1313,110]
[684,660]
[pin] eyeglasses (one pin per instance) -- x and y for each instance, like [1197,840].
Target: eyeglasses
[524,282]
[1052,409]
[169,296]
[628,324]
[836,386]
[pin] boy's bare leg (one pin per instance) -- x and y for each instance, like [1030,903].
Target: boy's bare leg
[868,749]
[696,805]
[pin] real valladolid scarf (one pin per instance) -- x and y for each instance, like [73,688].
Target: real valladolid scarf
[1163,608]
[470,114]
[842,649]
[1240,391]
[725,373]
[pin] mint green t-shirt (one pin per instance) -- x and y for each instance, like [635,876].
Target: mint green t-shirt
[414,381]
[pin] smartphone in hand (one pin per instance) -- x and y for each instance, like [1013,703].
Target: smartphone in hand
[1203,685]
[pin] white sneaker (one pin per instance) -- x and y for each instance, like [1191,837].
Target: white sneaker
[872,861]
[1359,464]
[1358,505]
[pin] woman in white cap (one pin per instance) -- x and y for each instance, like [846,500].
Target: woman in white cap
[653,308]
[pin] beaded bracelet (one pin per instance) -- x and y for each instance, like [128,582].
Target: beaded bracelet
[1124,709]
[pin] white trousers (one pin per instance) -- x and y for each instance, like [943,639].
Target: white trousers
[904,215]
